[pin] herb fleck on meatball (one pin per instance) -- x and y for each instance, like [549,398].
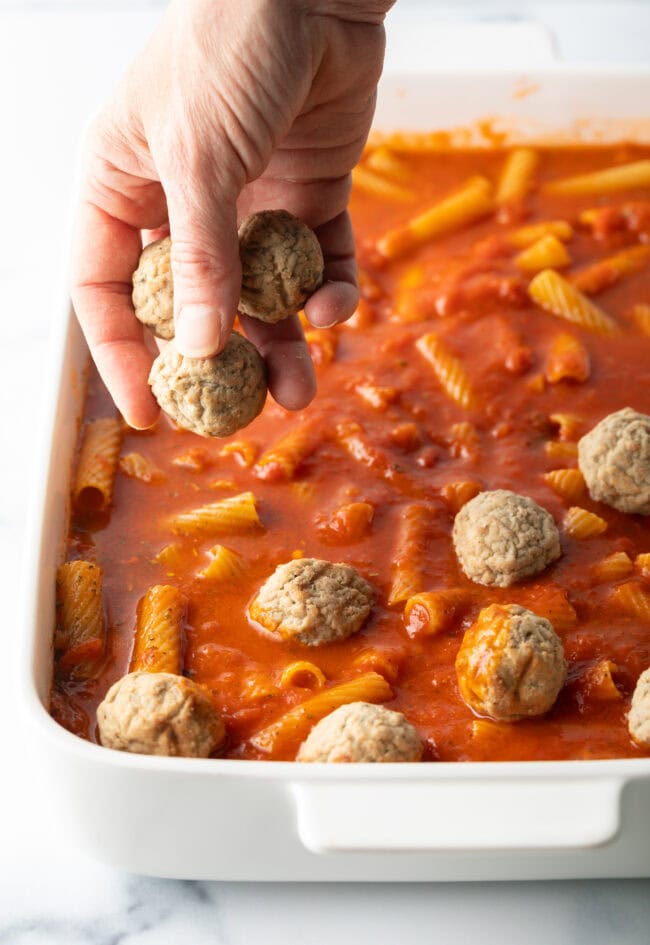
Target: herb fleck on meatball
[159,714]
[312,601]
[361,732]
[282,265]
[211,396]
[614,458]
[510,664]
[501,538]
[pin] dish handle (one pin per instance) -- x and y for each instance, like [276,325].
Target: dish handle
[425,816]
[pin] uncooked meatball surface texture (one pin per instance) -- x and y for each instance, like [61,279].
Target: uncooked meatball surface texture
[159,714]
[510,664]
[312,601]
[638,719]
[211,396]
[361,732]
[501,537]
[614,458]
[153,291]
[282,265]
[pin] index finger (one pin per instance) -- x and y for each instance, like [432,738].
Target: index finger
[104,255]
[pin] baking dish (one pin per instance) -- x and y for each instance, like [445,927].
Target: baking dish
[191,818]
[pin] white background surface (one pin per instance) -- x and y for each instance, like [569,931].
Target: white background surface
[57,62]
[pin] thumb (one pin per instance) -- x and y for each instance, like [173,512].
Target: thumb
[206,270]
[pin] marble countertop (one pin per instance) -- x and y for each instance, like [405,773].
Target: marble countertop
[57,62]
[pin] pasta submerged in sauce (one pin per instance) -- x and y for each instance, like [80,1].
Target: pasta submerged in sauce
[452,378]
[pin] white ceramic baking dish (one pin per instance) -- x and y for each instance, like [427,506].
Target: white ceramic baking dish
[209,819]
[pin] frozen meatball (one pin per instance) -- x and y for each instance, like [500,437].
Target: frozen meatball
[614,458]
[312,601]
[361,731]
[159,714]
[638,720]
[211,396]
[510,664]
[153,292]
[501,538]
[282,265]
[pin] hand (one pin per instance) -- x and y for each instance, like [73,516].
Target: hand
[235,106]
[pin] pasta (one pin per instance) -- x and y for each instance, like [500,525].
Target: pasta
[172,557]
[548,601]
[599,684]
[554,294]
[137,466]
[464,440]
[527,235]
[641,315]
[350,522]
[378,186]
[547,253]
[243,450]
[612,568]
[605,272]
[157,647]
[608,181]
[568,483]
[235,514]
[568,360]
[225,566]
[100,450]
[580,523]
[410,552]
[432,612]
[294,725]
[354,440]
[469,204]
[303,674]
[384,161]
[517,176]
[376,396]
[570,426]
[457,494]
[284,458]
[195,459]
[642,564]
[379,661]
[79,618]
[633,599]
[557,449]
[448,369]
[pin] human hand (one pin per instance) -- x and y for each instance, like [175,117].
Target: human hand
[235,106]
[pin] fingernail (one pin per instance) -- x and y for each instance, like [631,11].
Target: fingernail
[198,331]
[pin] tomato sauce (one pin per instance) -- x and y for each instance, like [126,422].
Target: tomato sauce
[466,287]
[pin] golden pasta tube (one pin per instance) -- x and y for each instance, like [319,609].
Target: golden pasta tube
[568,359]
[568,483]
[614,567]
[610,180]
[97,465]
[281,460]
[226,566]
[451,374]
[580,523]
[410,553]
[432,612]
[137,466]
[547,253]
[235,514]
[79,618]
[157,647]
[304,674]
[533,232]
[377,186]
[384,161]
[517,176]
[470,203]
[633,599]
[554,294]
[605,272]
[294,726]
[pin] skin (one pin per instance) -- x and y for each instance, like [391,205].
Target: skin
[234,106]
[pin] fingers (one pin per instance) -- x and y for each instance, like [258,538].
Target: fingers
[105,253]
[291,377]
[338,297]
[205,253]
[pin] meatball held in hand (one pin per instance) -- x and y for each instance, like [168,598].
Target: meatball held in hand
[211,396]
[614,458]
[361,732]
[153,292]
[282,265]
[501,538]
[159,714]
[510,664]
[312,601]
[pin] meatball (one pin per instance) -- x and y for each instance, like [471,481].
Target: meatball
[312,601]
[159,714]
[282,265]
[638,720]
[614,458]
[361,731]
[211,396]
[153,291]
[501,537]
[510,664]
